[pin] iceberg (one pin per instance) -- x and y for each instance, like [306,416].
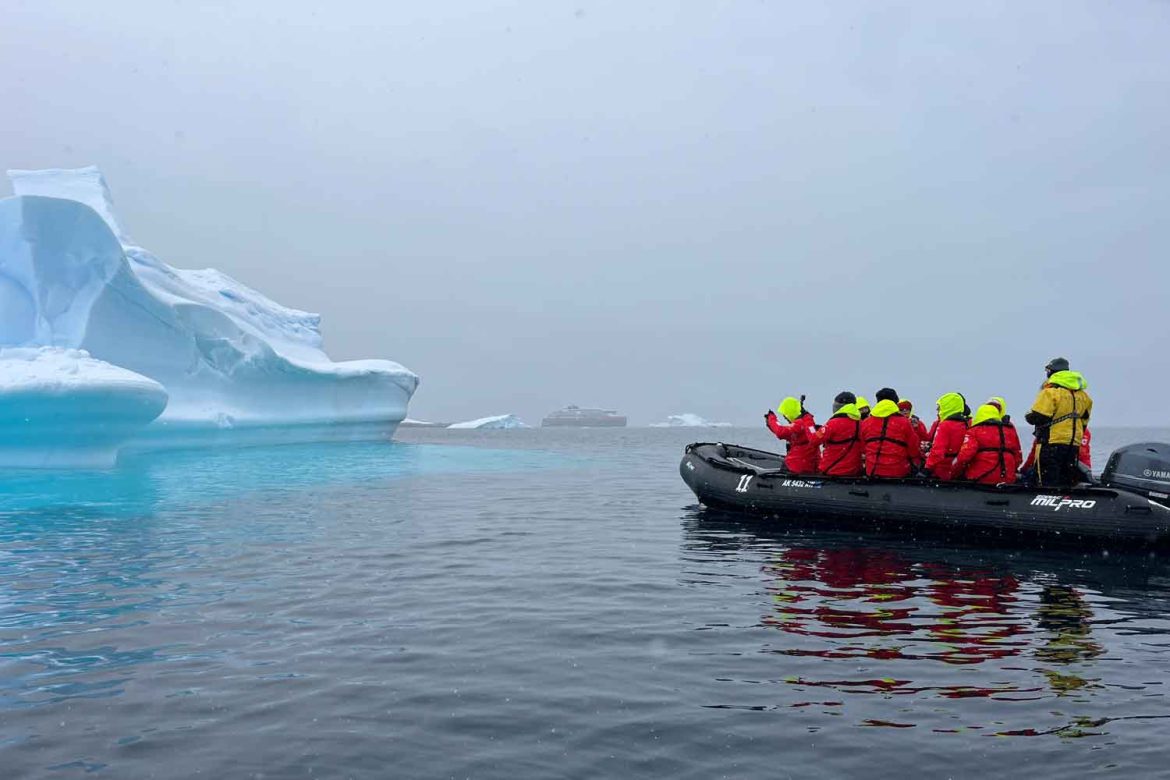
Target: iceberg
[687,420]
[500,421]
[410,423]
[227,360]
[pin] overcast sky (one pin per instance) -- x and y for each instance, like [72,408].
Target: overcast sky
[658,207]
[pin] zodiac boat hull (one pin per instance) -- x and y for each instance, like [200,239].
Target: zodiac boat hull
[741,479]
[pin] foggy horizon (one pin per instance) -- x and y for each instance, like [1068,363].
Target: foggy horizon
[651,209]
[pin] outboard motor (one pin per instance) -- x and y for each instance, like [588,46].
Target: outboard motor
[1142,468]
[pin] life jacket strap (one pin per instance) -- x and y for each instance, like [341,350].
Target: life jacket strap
[850,441]
[1000,461]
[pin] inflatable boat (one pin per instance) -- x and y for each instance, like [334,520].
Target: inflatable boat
[1128,506]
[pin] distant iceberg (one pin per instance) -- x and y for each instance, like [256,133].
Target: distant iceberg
[221,356]
[499,421]
[687,420]
[409,423]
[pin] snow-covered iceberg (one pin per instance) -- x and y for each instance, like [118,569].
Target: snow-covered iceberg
[409,423]
[687,420]
[499,421]
[227,357]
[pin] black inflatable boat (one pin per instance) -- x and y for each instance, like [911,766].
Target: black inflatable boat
[1129,506]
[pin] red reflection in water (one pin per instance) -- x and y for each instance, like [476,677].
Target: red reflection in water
[873,604]
[869,604]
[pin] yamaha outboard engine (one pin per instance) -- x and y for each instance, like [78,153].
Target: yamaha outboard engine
[1142,468]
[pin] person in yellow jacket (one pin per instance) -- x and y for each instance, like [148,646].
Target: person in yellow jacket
[1060,413]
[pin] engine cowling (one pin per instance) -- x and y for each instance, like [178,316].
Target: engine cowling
[1142,468]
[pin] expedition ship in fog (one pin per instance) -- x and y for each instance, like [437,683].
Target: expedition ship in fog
[577,417]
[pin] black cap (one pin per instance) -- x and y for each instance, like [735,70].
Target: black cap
[1056,364]
[844,397]
[887,394]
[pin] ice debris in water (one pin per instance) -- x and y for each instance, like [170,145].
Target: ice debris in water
[687,420]
[163,355]
[499,421]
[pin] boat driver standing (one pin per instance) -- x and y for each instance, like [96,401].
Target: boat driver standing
[1060,413]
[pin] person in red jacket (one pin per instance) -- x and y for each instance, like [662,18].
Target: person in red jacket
[803,453]
[1009,428]
[840,439]
[947,436]
[988,454]
[907,409]
[891,445]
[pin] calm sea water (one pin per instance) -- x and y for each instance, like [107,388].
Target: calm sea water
[544,604]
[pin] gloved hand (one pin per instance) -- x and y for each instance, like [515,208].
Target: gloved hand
[769,415]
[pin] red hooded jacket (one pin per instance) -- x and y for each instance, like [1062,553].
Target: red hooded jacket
[945,446]
[920,429]
[891,445]
[841,446]
[990,453]
[803,452]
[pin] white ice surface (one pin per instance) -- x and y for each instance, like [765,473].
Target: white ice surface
[62,408]
[687,420]
[85,185]
[498,421]
[423,423]
[227,356]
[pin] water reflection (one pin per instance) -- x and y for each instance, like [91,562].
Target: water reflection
[1065,619]
[913,622]
[869,603]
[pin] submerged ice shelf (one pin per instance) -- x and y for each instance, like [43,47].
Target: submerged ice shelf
[61,407]
[211,358]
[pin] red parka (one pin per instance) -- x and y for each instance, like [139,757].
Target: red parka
[803,452]
[945,446]
[891,445]
[920,429]
[1013,439]
[990,453]
[841,445]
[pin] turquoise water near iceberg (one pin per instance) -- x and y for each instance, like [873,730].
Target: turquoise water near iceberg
[548,604]
[149,481]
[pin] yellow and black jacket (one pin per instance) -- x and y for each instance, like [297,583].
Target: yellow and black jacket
[1061,410]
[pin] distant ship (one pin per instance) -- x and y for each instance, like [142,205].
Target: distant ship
[576,417]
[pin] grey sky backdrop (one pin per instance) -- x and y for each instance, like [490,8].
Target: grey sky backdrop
[653,206]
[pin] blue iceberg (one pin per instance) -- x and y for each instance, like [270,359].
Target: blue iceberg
[496,422]
[104,347]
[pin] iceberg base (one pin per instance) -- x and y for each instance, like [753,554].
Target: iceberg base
[61,408]
[177,435]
